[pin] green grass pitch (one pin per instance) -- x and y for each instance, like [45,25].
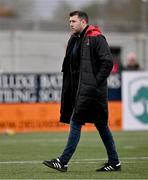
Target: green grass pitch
[21,156]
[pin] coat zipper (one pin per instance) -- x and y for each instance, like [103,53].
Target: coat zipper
[80,72]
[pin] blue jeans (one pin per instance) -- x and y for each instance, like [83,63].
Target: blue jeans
[74,137]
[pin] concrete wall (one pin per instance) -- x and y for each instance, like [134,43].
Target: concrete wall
[38,51]
[32,51]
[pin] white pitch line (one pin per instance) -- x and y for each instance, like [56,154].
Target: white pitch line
[122,158]
[20,162]
[74,161]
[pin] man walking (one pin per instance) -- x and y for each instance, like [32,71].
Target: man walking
[86,66]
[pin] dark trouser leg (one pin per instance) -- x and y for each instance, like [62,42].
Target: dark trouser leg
[73,140]
[108,141]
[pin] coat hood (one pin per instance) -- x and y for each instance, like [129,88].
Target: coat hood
[93,31]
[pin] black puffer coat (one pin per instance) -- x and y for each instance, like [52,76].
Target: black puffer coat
[95,66]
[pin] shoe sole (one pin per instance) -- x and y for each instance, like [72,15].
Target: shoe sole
[115,170]
[61,170]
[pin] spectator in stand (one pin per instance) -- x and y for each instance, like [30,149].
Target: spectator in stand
[117,66]
[132,63]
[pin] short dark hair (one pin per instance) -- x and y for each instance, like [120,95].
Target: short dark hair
[80,14]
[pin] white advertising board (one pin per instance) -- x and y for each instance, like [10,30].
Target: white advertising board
[135,100]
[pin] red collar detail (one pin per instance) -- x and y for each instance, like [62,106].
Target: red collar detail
[93,31]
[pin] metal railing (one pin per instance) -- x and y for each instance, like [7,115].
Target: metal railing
[45,25]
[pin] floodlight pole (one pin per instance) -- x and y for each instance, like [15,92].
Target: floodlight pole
[143,33]
[143,15]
